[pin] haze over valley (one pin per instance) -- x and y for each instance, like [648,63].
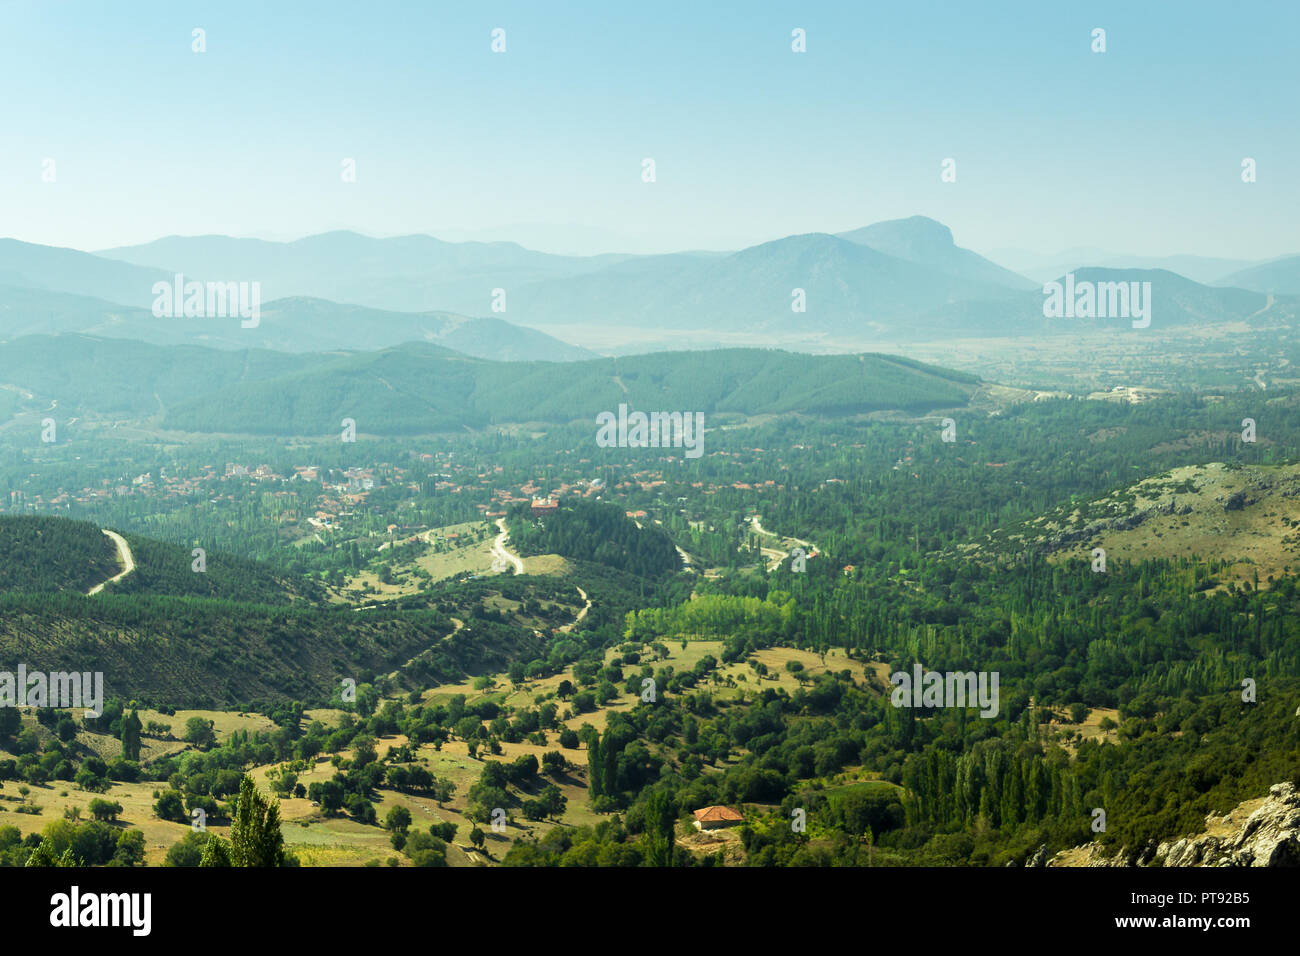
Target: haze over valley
[874,444]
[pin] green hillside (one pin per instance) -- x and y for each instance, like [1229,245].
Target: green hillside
[602,533]
[421,388]
[119,376]
[53,554]
[238,634]
[201,653]
[168,569]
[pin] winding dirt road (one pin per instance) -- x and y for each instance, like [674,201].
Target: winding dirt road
[565,629]
[499,548]
[124,557]
[774,556]
[686,559]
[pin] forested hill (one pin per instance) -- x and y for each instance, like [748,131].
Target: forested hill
[43,555]
[168,569]
[189,652]
[592,531]
[230,634]
[412,390]
[53,554]
[237,634]
[420,388]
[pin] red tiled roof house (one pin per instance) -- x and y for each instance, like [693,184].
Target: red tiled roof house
[714,818]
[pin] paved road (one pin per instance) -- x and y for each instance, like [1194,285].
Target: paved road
[124,557]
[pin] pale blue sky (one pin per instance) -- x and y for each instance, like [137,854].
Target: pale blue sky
[1135,150]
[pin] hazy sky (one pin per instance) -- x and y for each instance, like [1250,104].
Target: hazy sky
[1135,150]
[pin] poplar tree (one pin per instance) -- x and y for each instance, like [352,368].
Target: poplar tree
[595,768]
[660,819]
[131,727]
[216,852]
[255,838]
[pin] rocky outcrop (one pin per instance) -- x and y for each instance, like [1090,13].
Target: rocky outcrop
[1095,528]
[1038,859]
[1238,500]
[1263,832]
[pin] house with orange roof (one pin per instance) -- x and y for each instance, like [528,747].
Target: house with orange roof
[715,818]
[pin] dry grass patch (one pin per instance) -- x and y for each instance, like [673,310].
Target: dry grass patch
[1248,516]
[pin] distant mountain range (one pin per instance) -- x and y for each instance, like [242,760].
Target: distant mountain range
[866,281]
[1176,302]
[1281,276]
[929,243]
[423,388]
[901,280]
[289,325]
[52,269]
[1043,268]
[405,274]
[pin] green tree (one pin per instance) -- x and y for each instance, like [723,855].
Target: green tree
[171,806]
[660,821]
[104,809]
[130,849]
[398,819]
[553,763]
[255,838]
[66,729]
[131,728]
[553,800]
[216,852]
[425,849]
[595,766]
[199,732]
[11,721]
[44,855]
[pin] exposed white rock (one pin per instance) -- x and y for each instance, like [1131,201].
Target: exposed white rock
[1257,833]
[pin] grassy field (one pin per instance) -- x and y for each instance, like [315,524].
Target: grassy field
[318,840]
[57,796]
[1089,729]
[465,547]
[450,550]
[327,842]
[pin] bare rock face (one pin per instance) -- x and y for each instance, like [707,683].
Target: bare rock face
[1269,837]
[1262,832]
[1094,854]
